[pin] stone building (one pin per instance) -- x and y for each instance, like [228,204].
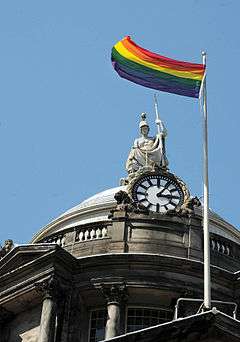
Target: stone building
[125,264]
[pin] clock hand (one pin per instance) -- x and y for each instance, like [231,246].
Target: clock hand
[167,196]
[159,194]
[175,197]
[170,196]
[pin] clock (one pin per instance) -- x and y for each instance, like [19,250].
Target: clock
[159,193]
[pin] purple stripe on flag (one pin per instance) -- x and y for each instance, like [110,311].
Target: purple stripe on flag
[158,84]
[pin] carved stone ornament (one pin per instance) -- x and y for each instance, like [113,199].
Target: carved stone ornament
[49,288]
[188,206]
[5,315]
[187,209]
[125,203]
[8,246]
[114,293]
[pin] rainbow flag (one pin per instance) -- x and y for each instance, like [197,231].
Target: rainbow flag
[155,71]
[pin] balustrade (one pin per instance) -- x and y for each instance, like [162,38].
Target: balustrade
[220,247]
[92,233]
[60,240]
[82,234]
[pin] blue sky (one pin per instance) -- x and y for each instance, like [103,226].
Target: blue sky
[67,121]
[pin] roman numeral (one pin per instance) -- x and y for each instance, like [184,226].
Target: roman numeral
[149,182]
[142,193]
[158,182]
[143,186]
[167,184]
[157,207]
[172,203]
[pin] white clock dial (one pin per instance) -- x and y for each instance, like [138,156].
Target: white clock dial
[158,193]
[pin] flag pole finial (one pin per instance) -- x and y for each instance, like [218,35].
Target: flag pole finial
[204,57]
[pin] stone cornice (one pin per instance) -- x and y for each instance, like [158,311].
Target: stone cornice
[21,279]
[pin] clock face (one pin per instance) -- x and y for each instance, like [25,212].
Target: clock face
[158,193]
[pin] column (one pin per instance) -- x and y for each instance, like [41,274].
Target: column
[49,288]
[113,320]
[115,295]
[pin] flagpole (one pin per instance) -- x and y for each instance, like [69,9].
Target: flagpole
[206,258]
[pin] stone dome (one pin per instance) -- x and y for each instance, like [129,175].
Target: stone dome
[105,197]
[93,209]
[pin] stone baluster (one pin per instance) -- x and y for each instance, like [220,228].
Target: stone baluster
[63,241]
[104,232]
[92,234]
[115,294]
[98,233]
[86,235]
[50,289]
[81,236]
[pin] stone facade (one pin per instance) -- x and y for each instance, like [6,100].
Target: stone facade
[49,289]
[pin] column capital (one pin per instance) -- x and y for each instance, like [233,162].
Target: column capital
[113,292]
[49,288]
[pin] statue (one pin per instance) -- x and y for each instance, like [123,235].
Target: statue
[126,203]
[8,246]
[147,151]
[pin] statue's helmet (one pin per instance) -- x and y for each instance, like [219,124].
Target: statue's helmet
[143,121]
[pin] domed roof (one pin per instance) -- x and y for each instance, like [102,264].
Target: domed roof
[94,209]
[105,197]
[97,208]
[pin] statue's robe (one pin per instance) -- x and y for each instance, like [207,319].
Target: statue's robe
[146,152]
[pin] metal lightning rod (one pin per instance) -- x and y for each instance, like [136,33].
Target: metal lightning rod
[207,275]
